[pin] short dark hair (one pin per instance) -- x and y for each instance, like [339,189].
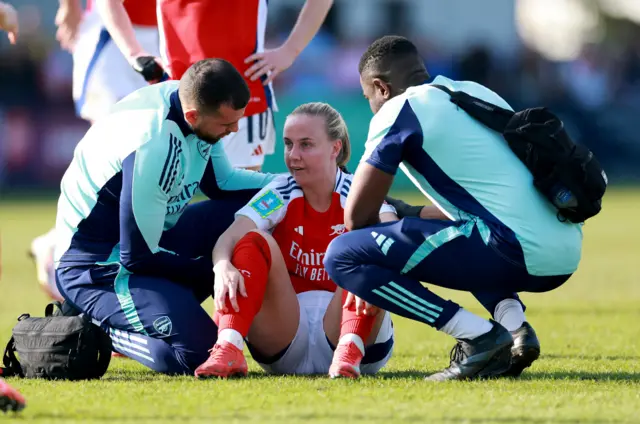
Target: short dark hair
[210,83]
[379,58]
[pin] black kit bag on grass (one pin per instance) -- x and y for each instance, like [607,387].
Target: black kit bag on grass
[57,347]
[567,174]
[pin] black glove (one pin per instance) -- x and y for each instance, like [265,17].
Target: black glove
[403,209]
[150,70]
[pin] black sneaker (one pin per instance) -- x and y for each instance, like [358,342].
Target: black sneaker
[485,356]
[525,350]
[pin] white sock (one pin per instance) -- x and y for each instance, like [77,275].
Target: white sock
[351,337]
[509,313]
[465,325]
[51,235]
[232,336]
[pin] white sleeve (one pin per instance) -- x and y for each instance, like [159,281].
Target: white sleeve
[267,208]
[345,185]
[387,208]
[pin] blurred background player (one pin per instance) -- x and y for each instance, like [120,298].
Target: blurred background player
[10,399]
[101,77]
[271,285]
[9,21]
[234,31]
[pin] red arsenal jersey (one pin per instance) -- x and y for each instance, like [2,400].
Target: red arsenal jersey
[191,30]
[141,12]
[302,233]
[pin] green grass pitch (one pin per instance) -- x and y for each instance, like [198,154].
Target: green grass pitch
[589,371]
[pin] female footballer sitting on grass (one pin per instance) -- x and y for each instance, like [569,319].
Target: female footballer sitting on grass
[271,288]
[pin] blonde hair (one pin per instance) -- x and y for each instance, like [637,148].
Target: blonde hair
[335,127]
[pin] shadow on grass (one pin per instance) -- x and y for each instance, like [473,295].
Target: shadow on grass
[326,416]
[137,376]
[594,357]
[581,375]
[526,376]
[403,375]
[120,377]
[392,375]
[133,417]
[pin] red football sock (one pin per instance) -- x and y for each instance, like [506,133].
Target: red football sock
[253,258]
[360,325]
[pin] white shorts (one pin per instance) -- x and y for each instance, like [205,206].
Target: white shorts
[310,351]
[101,74]
[256,138]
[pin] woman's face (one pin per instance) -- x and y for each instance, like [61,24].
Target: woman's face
[308,152]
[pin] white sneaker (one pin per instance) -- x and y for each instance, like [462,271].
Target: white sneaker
[41,252]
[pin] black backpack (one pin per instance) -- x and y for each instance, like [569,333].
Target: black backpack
[567,174]
[57,347]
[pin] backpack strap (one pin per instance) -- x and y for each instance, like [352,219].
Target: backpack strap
[60,309]
[53,309]
[105,348]
[486,113]
[443,88]
[12,367]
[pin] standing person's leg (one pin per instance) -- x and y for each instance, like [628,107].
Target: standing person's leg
[384,265]
[155,321]
[254,139]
